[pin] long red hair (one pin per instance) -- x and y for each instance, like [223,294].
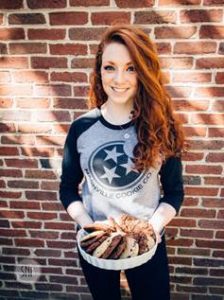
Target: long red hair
[158,131]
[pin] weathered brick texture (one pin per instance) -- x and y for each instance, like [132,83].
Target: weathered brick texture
[46,53]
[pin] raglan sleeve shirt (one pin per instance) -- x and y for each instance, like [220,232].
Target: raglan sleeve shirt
[72,173]
[172,182]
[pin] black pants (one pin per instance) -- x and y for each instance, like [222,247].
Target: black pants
[149,281]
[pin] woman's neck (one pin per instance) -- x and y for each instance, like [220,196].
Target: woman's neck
[116,114]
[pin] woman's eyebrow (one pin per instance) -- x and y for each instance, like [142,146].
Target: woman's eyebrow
[114,63]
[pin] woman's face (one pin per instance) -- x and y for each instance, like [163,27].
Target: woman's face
[119,78]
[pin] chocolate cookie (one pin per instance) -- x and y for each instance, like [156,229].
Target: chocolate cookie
[98,226]
[114,242]
[116,253]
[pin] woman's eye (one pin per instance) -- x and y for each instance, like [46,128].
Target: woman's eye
[131,69]
[108,68]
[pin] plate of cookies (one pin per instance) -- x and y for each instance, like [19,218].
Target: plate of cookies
[120,244]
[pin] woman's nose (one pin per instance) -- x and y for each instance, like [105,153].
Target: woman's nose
[119,77]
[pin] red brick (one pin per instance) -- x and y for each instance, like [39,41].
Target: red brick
[12,34]
[9,151]
[26,19]
[211,224]
[163,48]
[213,119]
[219,78]
[85,34]
[178,92]
[10,173]
[218,105]
[52,206]
[7,127]
[68,18]
[192,77]
[30,76]
[10,195]
[70,103]
[14,90]
[195,131]
[12,115]
[53,90]
[194,47]
[203,169]
[14,63]
[34,4]
[220,214]
[192,156]
[26,224]
[48,287]
[49,185]
[134,4]
[4,77]
[219,235]
[11,251]
[52,235]
[41,174]
[34,128]
[215,132]
[50,140]
[189,105]
[89,2]
[41,151]
[6,102]
[27,48]
[46,34]
[59,226]
[29,243]
[55,116]
[198,213]
[3,48]
[81,91]
[48,62]
[41,215]
[13,232]
[177,222]
[179,2]
[214,181]
[215,157]
[68,76]
[40,195]
[221,48]
[201,15]
[12,214]
[110,18]
[22,163]
[61,128]
[23,184]
[80,63]
[66,49]
[208,234]
[18,140]
[201,191]
[211,31]
[176,62]
[209,145]
[5,4]
[175,32]
[158,17]
[213,2]
[33,103]
[63,245]
[211,244]
[209,63]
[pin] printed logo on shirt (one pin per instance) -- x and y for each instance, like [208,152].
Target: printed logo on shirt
[111,168]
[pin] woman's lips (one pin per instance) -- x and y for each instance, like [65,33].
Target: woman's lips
[119,90]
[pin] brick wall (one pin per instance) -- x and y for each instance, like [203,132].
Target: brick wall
[47,49]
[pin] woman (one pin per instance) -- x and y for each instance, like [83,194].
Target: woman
[121,150]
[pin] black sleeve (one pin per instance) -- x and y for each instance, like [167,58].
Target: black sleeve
[172,182]
[71,171]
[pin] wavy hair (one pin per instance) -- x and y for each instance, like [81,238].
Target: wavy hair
[158,130]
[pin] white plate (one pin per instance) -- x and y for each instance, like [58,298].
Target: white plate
[115,264]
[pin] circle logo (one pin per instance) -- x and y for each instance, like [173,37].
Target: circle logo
[28,271]
[111,167]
